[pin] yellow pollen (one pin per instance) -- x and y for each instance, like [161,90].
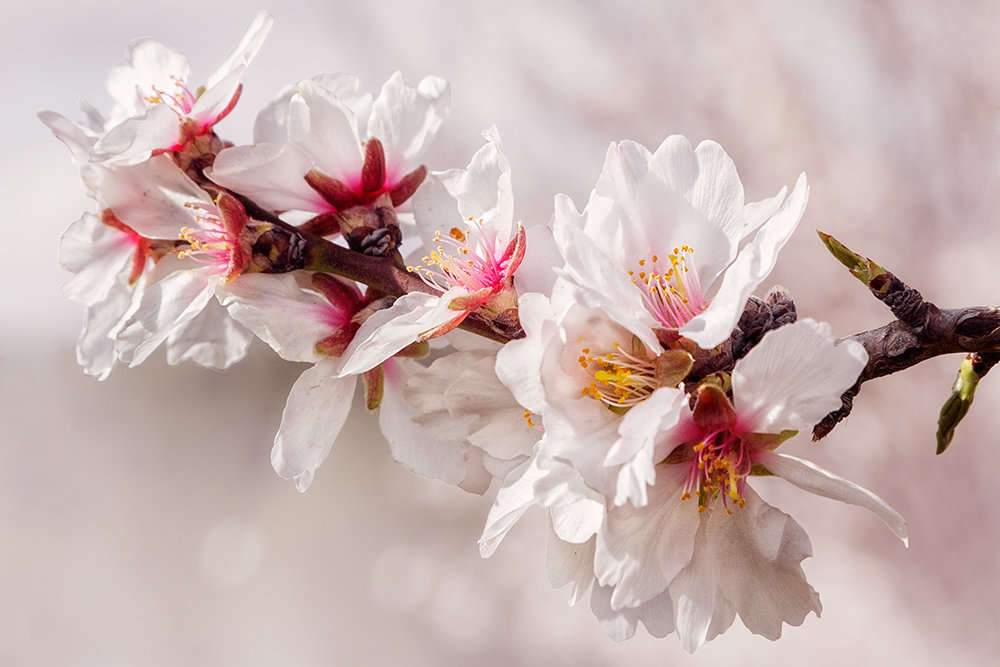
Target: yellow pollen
[642,262]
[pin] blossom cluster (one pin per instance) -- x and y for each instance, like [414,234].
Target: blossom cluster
[614,380]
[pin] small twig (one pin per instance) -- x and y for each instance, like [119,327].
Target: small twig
[920,332]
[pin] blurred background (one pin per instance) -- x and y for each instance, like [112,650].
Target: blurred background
[140,520]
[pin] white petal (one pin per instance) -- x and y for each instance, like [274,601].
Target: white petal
[794,377]
[751,267]
[152,66]
[211,339]
[435,209]
[271,123]
[97,254]
[281,314]
[779,228]
[605,284]
[699,194]
[519,362]
[568,563]
[421,450]
[217,98]
[757,552]
[165,305]
[316,410]
[656,615]
[79,141]
[809,476]
[499,426]
[243,53]
[273,176]
[541,259]
[323,127]
[716,324]
[405,119]
[388,331]
[425,392]
[513,500]
[134,140]
[477,478]
[625,168]
[757,213]
[150,197]
[639,551]
[694,593]
[634,448]
[95,348]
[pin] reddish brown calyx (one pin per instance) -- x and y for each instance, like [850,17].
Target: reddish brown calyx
[373,182]
[712,411]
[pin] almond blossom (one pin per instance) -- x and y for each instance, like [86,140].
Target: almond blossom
[310,155]
[601,393]
[146,215]
[312,318]
[705,547]
[155,109]
[658,245]
[472,247]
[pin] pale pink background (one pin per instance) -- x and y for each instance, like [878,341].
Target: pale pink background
[140,520]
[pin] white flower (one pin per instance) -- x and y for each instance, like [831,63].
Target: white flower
[310,156]
[472,247]
[601,393]
[706,547]
[661,229]
[312,318]
[156,111]
[146,215]
[180,307]
[459,399]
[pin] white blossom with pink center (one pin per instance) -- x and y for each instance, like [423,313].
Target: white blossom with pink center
[706,547]
[658,245]
[155,108]
[309,153]
[133,243]
[472,247]
[312,318]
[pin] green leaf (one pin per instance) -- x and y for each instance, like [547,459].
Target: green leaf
[860,267]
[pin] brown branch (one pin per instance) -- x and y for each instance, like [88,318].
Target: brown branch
[921,331]
[289,248]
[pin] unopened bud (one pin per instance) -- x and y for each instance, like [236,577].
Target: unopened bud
[957,406]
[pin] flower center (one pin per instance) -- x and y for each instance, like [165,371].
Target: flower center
[210,242]
[465,258]
[672,296]
[620,379]
[181,101]
[721,464]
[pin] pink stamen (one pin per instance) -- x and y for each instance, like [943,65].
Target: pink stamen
[674,296]
[473,260]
